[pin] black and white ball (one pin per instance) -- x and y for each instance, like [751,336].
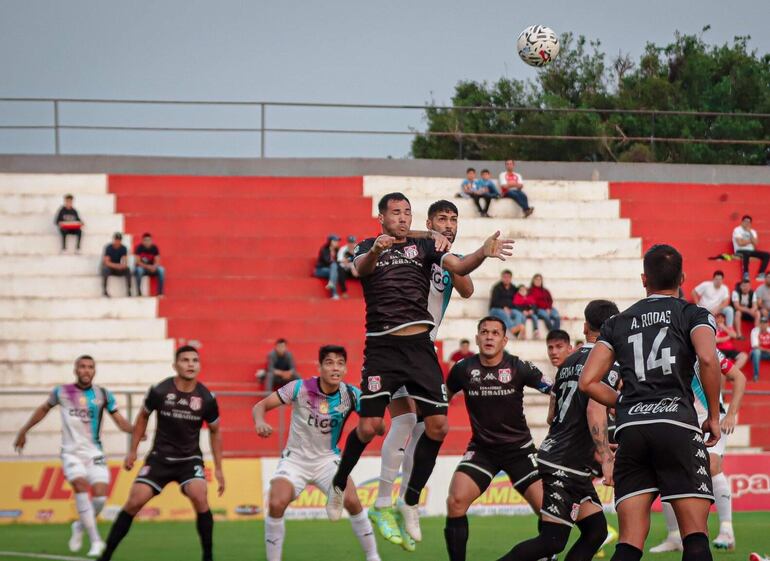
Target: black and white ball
[537,45]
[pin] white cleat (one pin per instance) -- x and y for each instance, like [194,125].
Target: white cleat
[725,541]
[411,517]
[76,540]
[97,548]
[758,557]
[671,543]
[334,503]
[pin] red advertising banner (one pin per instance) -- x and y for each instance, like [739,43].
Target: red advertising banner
[749,476]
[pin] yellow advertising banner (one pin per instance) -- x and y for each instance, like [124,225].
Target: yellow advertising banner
[38,492]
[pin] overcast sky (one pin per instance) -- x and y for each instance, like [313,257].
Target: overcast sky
[396,52]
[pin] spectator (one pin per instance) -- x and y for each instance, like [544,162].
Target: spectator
[463,352]
[745,246]
[326,267]
[762,297]
[148,263]
[760,345]
[473,188]
[501,304]
[512,186]
[69,223]
[488,183]
[714,296]
[345,257]
[115,263]
[726,337]
[544,303]
[281,368]
[745,306]
[525,304]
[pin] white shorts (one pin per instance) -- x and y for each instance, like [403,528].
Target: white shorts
[399,393]
[301,472]
[719,447]
[91,468]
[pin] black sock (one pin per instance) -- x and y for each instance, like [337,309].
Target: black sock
[205,526]
[425,454]
[696,548]
[350,456]
[593,532]
[552,539]
[626,552]
[456,536]
[118,531]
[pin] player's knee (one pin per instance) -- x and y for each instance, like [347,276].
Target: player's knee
[436,427]
[79,485]
[593,529]
[370,427]
[276,507]
[553,538]
[455,506]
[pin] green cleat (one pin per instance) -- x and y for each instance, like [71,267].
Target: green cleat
[383,520]
[406,540]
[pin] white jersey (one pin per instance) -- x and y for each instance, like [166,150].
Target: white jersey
[440,293]
[81,417]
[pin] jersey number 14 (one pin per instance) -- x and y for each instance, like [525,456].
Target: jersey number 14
[653,361]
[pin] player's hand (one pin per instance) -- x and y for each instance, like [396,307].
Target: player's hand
[441,241]
[129,461]
[220,481]
[264,429]
[18,444]
[711,426]
[495,247]
[728,424]
[382,243]
[608,467]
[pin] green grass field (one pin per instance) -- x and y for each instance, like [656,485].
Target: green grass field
[311,540]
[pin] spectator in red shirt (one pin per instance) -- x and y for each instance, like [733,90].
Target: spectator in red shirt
[760,345]
[148,263]
[463,352]
[512,186]
[525,304]
[544,303]
[726,337]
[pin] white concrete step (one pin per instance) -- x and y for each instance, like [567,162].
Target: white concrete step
[83,330]
[507,209]
[463,328]
[97,224]
[544,248]
[52,184]
[50,286]
[478,306]
[36,265]
[524,268]
[86,205]
[543,227]
[566,288]
[17,375]
[119,351]
[96,307]
[50,243]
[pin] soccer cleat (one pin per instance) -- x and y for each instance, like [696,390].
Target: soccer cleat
[407,543]
[411,519]
[724,541]
[334,503]
[384,521]
[76,540]
[758,557]
[97,548]
[671,543]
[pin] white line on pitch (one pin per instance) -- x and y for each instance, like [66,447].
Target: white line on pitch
[41,556]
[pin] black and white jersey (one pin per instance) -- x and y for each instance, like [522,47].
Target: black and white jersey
[652,345]
[569,443]
[396,292]
[180,418]
[494,398]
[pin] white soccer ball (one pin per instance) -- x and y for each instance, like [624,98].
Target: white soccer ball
[537,45]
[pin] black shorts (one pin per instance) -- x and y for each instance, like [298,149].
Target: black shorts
[482,465]
[664,459]
[157,474]
[732,355]
[563,493]
[392,361]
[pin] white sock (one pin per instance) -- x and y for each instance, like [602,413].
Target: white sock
[275,531]
[363,530]
[98,504]
[671,523]
[408,462]
[724,500]
[87,519]
[391,456]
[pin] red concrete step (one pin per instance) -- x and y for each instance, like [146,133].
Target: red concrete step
[183,265]
[760,436]
[709,211]
[173,306]
[223,286]
[278,206]
[229,351]
[249,330]
[236,227]
[667,193]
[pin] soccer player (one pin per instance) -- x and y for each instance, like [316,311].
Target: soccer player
[662,449]
[558,347]
[722,494]
[320,406]
[183,404]
[493,382]
[83,462]
[405,427]
[395,273]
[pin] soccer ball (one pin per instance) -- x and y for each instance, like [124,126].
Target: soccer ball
[537,45]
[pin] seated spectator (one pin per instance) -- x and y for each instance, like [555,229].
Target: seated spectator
[726,337]
[745,306]
[345,257]
[326,267]
[544,303]
[715,297]
[474,189]
[501,304]
[281,368]
[115,263]
[489,184]
[762,297]
[148,263]
[69,223]
[511,185]
[745,246]
[462,353]
[760,345]
[525,304]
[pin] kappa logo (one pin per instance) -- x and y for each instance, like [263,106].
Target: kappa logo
[559,473]
[702,471]
[183,401]
[410,251]
[196,403]
[558,483]
[553,509]
[556,496]
[504,375]
[700,454]
[704,488]
[489,376]
[468,456]
[374,384]
[697,438]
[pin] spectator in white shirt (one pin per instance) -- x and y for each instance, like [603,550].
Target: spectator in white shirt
[345,256]
[762,297]
[745,306]
[760,345]
[715,297]
[512,186]
[745,246]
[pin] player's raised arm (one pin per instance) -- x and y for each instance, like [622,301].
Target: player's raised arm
[704,342]
[273,401]
[37,416]
[366,262]
[493,247]
[599,362]
[463,285]
[442,242]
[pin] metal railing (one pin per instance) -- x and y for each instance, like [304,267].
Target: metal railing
[57,124]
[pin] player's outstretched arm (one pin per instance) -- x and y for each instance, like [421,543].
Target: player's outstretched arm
[441,241]
[463,285]
[121,422]
[264,429]
[599,362]
[366,262]
[704,341]
[493,247]
[738,380]
[37,416]
[137,435]
[215,438]
[596,414]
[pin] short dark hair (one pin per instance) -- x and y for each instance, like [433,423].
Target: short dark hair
[485,170]
[68,197]
[557,335]
[185,349]
[599,311]
[382,206]
[745,216]
[326,350]
[442,205]
[147,235]
[470,170]
[663,267]
[718,273]
[465,342]
[84,357]
[506,272]
[279,341]
[485,319]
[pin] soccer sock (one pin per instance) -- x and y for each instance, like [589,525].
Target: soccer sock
[275,530]
[724,500]
[456,536]
[593,532]
[408,462]
[350,456]
[552,539]
[696,548]
[391,456]
[98,504]
[87,519]
[626,552]
[425,454]
[205,526]
[671,524]
[363,530]
[117,533]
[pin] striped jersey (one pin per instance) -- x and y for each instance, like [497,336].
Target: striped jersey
[81,417]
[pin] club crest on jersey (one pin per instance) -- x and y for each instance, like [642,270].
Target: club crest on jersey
[504,375]
[196,403]
[575,510]
[612,377]
[410,251]
[374,384]
[323,408]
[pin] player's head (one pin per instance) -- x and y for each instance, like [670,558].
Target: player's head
[718,278]
[395,214]
[332,364]
[442,218]
[68,200]
[187,362]
[596,313]
[85,370]
[558,345]
[490,337]
[662,269]
[470,173]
